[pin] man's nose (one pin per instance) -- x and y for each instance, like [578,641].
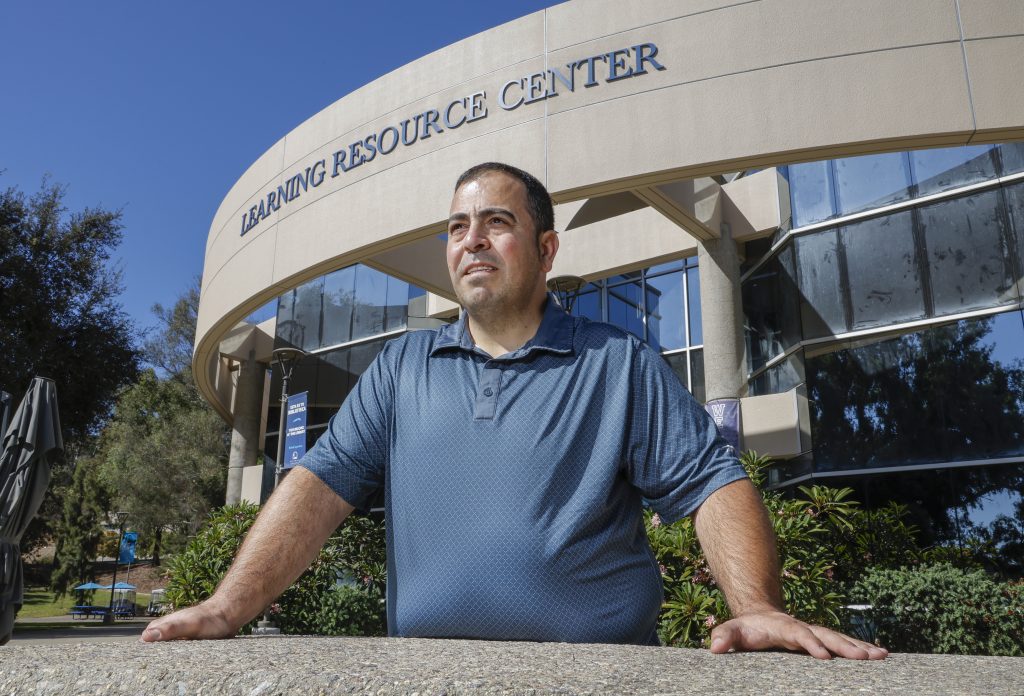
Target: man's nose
[476,237]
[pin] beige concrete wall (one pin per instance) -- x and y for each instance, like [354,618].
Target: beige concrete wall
[746,84]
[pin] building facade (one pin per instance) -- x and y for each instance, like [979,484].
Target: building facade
[814,208]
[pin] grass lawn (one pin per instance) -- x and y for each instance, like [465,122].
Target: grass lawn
[40,602]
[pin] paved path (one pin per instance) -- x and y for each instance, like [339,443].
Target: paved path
[77,632]
[300,665]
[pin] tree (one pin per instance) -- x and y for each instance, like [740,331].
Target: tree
[165,450]
[59,318]
[81,526]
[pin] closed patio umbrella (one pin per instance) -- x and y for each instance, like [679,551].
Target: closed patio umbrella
[31,443]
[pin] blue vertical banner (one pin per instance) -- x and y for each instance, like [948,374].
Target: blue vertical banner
[128,542]
[295,430]
[726,415]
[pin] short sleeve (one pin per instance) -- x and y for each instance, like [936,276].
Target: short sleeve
[351,456]
[675,454]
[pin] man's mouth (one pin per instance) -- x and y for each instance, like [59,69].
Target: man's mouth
[478,268]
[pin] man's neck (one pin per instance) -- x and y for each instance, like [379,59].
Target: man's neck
[498,334]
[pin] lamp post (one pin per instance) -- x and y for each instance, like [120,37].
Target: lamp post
[119,517]
[285,359]
[566,288]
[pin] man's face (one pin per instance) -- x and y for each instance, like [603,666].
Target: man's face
[494,258]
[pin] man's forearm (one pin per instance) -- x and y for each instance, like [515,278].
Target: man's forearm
[737,539]
[286,537]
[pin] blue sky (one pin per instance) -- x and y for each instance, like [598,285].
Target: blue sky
[157,108]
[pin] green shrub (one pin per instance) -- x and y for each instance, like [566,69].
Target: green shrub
[693,602]
[313,604]
[939,608]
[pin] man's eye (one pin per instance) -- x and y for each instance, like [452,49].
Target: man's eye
[497,221]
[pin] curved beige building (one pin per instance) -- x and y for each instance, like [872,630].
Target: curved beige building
[658,126]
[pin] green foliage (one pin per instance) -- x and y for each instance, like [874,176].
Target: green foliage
[81,527]
[165,455]
[60,318]
[693,602]
[166,450]
[313,604]
[939,608]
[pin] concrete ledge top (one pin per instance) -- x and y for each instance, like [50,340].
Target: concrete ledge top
[304,665]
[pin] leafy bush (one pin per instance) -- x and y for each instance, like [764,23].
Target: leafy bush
[939,608]
[313,604]
[693,602]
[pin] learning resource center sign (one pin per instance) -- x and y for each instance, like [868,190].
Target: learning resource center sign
[615,65]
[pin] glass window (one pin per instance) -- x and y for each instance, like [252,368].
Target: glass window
[396,312]
[882,271]
[625,308]
[1012,156]
[665,267]
[588,304]
[937,395]
[1014,196]
[967,253]
[778,378]
[370,300]
[697,375]
[693,305]
[946,168]
[820,282]
[283,329]
[770,306]
[871,181]
[339,300]
[666,328]
[810,186]
[305,329]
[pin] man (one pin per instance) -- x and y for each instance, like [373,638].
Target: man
[515,449]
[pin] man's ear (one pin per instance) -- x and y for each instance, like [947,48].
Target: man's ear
[548,247]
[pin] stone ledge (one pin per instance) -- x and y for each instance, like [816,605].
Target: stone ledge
[308,665]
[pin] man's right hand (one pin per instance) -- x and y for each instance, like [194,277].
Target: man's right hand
[200,622]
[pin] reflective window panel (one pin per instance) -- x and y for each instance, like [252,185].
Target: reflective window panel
[820,282]
[947,168]
[882,270]
[370,301]
[666,325]
[871,181]
[625,308]
[770,305]
[810,186]
[305,329]
[693,305]
[967,254]
[945,394]
[1012,157]
[697,375]
[588,304]
[1014,197]
[339,301]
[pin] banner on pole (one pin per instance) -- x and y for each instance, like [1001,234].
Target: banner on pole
[295,430]
[726,414]
[128,542]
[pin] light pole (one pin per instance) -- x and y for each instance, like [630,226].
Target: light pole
[285,359]
[566,288]
[119,517]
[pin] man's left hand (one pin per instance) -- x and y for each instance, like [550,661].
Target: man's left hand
[774,629]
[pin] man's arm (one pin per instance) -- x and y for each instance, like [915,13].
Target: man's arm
[734,531]
[284,540]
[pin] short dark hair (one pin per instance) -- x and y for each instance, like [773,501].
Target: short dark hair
[538,200]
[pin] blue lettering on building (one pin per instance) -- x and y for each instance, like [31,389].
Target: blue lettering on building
[613,66]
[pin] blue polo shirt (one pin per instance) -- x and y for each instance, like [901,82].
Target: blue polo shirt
[514,485]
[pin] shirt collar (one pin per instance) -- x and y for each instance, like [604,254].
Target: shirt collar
[555,334]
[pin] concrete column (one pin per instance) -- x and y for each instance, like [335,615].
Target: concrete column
[245,434]
[721,310]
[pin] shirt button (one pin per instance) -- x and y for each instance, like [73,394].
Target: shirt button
[488,392]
